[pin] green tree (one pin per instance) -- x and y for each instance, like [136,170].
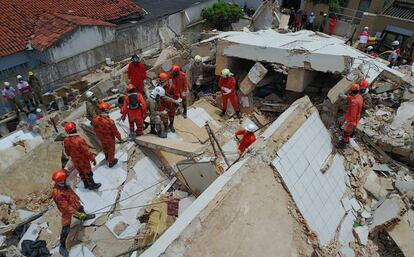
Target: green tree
[334,5]
[221,15]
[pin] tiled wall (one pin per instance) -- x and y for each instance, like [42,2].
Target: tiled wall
[317,195]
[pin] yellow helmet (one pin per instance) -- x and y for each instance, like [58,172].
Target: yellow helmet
[226,73]
[30,73]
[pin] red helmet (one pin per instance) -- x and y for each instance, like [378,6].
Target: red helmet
[70,127]
[163,76]
[364,84]
[130,87]
[354,87]
[59,175]
[104,106]
[175,68]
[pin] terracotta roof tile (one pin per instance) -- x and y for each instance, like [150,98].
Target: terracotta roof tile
[46,21]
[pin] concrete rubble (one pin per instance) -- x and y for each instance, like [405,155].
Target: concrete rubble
[192,194]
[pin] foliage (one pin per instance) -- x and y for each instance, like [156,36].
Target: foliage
[221,15]
[334,5]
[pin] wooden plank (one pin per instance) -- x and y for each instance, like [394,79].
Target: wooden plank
[170,145]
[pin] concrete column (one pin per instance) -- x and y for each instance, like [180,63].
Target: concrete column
[298,79]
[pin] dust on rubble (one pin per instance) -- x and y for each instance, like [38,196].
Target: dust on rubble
[36,201]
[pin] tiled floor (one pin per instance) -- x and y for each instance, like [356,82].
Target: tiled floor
[316,194]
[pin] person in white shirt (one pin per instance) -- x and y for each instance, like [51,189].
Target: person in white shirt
[24,88]
[363,39]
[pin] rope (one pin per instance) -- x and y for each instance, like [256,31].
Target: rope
[134,207]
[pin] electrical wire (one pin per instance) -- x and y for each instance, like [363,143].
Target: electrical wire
[121,200]
[135,207]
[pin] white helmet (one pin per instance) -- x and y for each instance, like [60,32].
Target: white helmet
[19,77]
[251,127]
[365,28]
[370,48]
[226,73]
[158,92]
[7,84]
[198,58]
[38,110]
[312,13]
[395,43]
[88,94]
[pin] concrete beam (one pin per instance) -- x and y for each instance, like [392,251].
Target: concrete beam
[169,145]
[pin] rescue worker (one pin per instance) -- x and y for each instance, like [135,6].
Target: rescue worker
[196,74]
[310,21]
[157,95]
[25,90]
[179,81]
[106,131]
[76,148]
[9,93]
[227,84]
[363,87]
[248,137]
[355,103]
[135,108]
[137,73]
[36,86]
[68,203]
[171,92]
[371,52]
[395,54]
[363,39]
[92,108]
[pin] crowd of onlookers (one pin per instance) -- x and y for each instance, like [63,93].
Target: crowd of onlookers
[299,19]
[29,91]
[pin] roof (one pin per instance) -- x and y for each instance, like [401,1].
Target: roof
[51,27]
[23,20]
[161,8]
[403,9]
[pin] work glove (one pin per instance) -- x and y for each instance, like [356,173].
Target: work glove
[179,100]
[94,162]
[165,112]
[81,216]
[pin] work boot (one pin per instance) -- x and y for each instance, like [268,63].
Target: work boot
[106,156]
[222,113]
[238,115]
[161,133]
[92,185]
[90,216]
[154,129]
[113,163]
[63,251]
[185,113]
[341,145]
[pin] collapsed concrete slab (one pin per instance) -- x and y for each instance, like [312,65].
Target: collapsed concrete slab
[388,213]
[169,145]
[403,233]
[302,52]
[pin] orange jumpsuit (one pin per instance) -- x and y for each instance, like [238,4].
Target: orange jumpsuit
[173,92]
[76,148]
[106,131]
[352,115]
[137,115]
[67,202]
[180,83]
[248,139]
[137,74]
[229,83]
